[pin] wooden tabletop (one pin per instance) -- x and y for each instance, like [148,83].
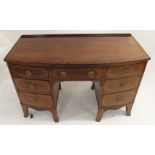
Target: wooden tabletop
[76,49]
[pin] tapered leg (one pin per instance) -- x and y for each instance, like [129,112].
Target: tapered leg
[25,111]
[93,85]
[99,114]
[60,85]
[55,115]
[128,109]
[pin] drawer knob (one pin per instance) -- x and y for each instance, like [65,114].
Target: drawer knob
[122,84]
[91,74]
[28,73]
[63,74]
[31,86]
[126,71]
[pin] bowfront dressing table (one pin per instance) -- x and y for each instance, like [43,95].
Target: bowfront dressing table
[115,64]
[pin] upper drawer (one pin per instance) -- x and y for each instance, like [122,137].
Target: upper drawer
[29,72]
[36,86]
[77,74]
[125,71]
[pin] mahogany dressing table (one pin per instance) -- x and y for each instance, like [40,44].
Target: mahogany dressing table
[115,64]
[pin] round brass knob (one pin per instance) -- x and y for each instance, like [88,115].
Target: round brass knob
[122,84]
[31,86]
[126,71]
[63,74]
[28,73]
[91,74]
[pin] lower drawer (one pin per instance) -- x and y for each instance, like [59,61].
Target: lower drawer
[117,85]
[35,100]
[36,86]
[118,98]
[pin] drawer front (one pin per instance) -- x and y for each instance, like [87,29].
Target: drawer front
[118,98]
[35,100]
[116,85]
[36,86]
[29,72]
[125,71]
[77,74]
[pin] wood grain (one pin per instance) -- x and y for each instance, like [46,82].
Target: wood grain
[77,49]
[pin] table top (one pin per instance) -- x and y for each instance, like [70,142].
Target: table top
[76,49]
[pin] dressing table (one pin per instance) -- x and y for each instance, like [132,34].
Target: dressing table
[115,63]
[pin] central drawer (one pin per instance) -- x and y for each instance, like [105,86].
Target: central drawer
[36,86]
[35,100]
[77,74]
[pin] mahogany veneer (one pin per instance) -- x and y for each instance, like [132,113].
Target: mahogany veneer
[114,62]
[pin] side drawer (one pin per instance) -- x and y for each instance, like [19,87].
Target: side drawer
[77,74]
[125,71]
[117,85]
[36,86]
[29,72]
[35,100]
[118,98]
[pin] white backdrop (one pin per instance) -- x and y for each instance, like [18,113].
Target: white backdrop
[79,104]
